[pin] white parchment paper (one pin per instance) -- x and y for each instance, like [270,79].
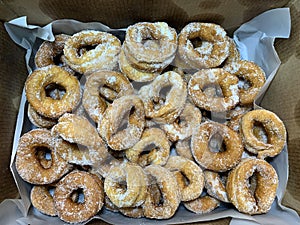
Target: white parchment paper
[255,40]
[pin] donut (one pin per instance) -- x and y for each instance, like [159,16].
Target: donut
[126,185]
[128,110]
[215,186]
[184,124]
[39,120]
[274,128]
[102,87]
[202,205]
[207,147]
[169,191]
[50,53]
[238,186]
[152,148]
[189,177]
[150,46]
[76,211]
[183,148]
[251,79]
[214,90]
[133,73]
[213,49]
[102,56]
[109,205]
[46,106]
[27,163]
[132,212]
[42,199]
[160,106]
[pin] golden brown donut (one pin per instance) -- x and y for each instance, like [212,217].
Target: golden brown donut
[251,79]
[169,191]
[206,145]
[152,148]
[184,124]
[75,211]
[213,49]
[42,200]
[27,163]
[191,175]
[127,109]
[202,205]
[133,73]
[104,56]
[238,186]
[50,53]
[164,107]
[102,87]
[126,185]
[215,186]
[274,128]
[214,90]
[36,84]
[150,46]
[183,148]
[233,56]
[39,120]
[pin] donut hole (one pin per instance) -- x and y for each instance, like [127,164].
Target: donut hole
[51,190]
[181,121]
[149,41]
[213,90]
[159,101]
[149,150]
[77,196]
[125,121]
[57,59]
[252,183]
[244,84]
[260,132]
[216,143]
[156,192]
[55,91]
[202,46]
[44,157]
[85,48]
[108,93]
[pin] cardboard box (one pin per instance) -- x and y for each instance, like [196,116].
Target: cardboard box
[282,97]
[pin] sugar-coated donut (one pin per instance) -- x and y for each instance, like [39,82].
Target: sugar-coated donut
[215,186]
[36,84]
[214,90]
[275,131]
[238,190]
[206,145]
[214,48]
[72,211]
[202,205]
[28,164]
[39,120]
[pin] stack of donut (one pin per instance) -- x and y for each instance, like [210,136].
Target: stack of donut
[106,141]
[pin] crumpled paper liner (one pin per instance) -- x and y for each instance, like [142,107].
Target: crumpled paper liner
[255,40]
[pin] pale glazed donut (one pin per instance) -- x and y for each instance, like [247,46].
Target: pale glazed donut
[133,73]
[169,191]
[202,205]
[252,78]
[27,162]
[207,150]
[150,46]
[39,120]
[155,143]
[126,185]
[203,89]
[238,186]
[214,45]
[42,199]
[103,57]
[184,125]
[131,107]
[164,109]
[36,84]
[186,169]
[215,186]
[74,212]
[183,148]
[110,84]
[49,51]
[275,130]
